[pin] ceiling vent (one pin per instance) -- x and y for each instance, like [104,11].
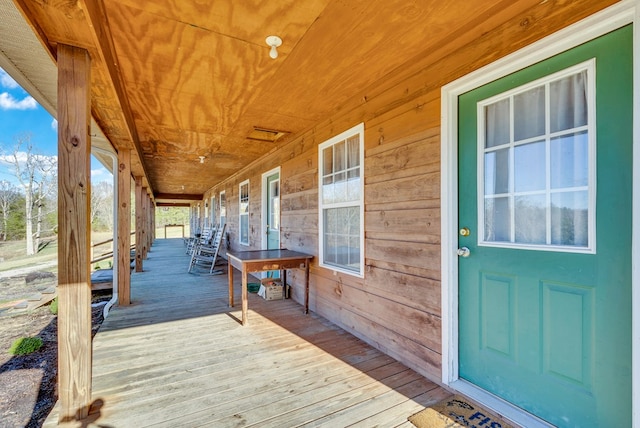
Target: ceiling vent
[263,134]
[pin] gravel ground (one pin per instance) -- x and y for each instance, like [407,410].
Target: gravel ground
[28,382]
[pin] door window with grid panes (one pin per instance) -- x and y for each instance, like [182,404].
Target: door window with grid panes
[537,164]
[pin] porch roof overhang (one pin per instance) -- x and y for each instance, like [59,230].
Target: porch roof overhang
[191,90]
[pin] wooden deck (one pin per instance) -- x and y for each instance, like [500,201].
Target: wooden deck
[178,356]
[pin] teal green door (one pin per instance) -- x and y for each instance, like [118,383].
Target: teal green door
[545,166]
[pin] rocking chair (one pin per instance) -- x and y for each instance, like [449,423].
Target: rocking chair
[205,253]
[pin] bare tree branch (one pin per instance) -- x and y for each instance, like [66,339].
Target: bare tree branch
[37,176]
[8,195]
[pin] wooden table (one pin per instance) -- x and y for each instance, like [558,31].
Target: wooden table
[265,260]
[173,225]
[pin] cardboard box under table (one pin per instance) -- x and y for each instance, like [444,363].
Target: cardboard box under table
[271,289]
[266,260]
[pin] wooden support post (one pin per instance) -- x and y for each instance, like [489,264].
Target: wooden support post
[153,222]
[74,196]
[145,223]
[149,223]
[124,226]
[230,275]
[139,224]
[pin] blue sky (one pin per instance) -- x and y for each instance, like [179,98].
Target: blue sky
[21,114]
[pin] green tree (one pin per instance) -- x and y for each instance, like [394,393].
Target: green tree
[172,215]
[15,220]
[8,196]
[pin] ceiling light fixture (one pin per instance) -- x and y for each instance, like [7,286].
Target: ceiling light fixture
[275,42]
[201,159]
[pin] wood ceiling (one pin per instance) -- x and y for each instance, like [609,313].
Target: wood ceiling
[175,80]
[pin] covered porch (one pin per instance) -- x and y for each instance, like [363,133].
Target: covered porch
[178,356]
[347,143]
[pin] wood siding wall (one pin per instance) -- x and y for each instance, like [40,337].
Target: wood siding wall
[396,307]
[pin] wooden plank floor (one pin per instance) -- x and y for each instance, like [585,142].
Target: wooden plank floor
[178,357]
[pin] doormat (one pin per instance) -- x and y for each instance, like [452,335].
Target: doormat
[457,411]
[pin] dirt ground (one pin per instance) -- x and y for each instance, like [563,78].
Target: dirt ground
[28,383]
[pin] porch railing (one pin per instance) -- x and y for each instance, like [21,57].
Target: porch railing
[106,254]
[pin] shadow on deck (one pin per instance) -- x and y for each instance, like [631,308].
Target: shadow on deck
[178,356]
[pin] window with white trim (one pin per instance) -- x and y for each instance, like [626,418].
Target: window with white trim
[341,201]
[223,208]
[243,200]
[537,164]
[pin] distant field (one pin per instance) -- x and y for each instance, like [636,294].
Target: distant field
[13,253]
[172,232]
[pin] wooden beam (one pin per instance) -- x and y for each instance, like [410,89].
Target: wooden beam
[139,224]
[124,227]
[173,204]
[178,196]
[74,196]
[101,32]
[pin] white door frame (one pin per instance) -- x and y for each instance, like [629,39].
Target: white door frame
[616,16]
[265,193]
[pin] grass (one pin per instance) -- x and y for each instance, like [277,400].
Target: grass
[172,232]
[15,256]
[25,345]
[13,253]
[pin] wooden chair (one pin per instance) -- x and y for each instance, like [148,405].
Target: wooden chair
[202,237]
[205,253]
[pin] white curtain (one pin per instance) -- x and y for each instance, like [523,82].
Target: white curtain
[568,102]
[497,123]
[568,159]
